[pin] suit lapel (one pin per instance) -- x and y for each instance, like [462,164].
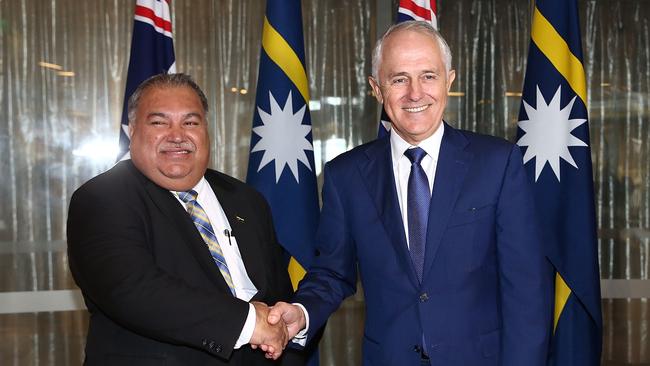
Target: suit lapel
[379,178]
[451,169]
[180,219]
[241,219]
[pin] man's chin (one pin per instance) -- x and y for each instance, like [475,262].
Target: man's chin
[176,178]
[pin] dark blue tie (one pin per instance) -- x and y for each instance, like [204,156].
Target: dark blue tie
[417,204]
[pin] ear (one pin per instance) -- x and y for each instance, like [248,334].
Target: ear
[131,130]
[451,76]
[376,89]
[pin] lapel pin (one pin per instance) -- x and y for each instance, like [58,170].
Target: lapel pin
[239,219]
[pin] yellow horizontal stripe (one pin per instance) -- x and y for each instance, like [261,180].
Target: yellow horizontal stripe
[296,272]
[283,55]
[562,292]
[555,48]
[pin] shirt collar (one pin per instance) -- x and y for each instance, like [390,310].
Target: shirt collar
[200,188]
[431,144]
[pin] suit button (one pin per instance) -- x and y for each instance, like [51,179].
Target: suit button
[424,297]
[218,349]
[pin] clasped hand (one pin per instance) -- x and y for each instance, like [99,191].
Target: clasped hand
[275,326]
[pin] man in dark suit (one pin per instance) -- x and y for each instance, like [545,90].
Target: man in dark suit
[174,260]
[440,224]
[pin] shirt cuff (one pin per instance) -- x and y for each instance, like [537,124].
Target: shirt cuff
[301,337]
[249,328]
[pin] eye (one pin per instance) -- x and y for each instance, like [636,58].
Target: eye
[430,77]
[157,122]
[400,81]
[192,123]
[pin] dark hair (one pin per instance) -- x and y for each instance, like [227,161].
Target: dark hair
[164,81]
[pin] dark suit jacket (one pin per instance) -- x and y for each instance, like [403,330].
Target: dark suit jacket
[154,294]
[485,297]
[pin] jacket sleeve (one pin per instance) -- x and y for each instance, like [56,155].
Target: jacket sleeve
[333,276]
[524,273]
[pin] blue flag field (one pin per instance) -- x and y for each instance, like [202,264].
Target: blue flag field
[281,163]
[554,136]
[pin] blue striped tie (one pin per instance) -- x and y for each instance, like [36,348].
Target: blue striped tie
[418,198]
[202,223]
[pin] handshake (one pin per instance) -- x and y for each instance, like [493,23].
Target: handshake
[275,326]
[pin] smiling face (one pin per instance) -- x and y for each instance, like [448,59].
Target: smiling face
[412,84]
[169,137]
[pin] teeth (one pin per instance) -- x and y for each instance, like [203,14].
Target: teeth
[416,109]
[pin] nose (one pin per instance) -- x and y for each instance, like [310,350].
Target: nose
[415,90]
[176,134]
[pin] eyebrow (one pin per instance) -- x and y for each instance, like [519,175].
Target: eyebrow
[432,71]
[165,115]
[192,114]
[157,114]
[404,73]
[401,73]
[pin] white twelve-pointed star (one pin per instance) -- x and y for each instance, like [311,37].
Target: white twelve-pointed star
[548,133]
[283,137]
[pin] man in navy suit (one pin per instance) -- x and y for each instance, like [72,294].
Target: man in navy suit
[439,223]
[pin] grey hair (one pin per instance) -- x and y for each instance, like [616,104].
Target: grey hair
[164,81]
[422,27]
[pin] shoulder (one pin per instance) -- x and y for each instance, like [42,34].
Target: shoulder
[118,180]
[233,186]
[368,151]
[484,148]
[487,156]
[121,192]
[228,182]
[480,142]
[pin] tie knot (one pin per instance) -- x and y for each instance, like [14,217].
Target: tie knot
[188,196]
[415,155]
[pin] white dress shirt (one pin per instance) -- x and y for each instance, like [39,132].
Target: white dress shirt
[244,287]
[402,166]
[401,171]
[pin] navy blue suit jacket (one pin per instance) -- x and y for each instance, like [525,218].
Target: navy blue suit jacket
[485,297]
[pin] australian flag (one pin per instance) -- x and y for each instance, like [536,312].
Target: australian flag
[554,136]
[152,53]
[424,10]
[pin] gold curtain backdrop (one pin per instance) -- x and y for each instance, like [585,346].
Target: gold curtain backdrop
[59,127]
